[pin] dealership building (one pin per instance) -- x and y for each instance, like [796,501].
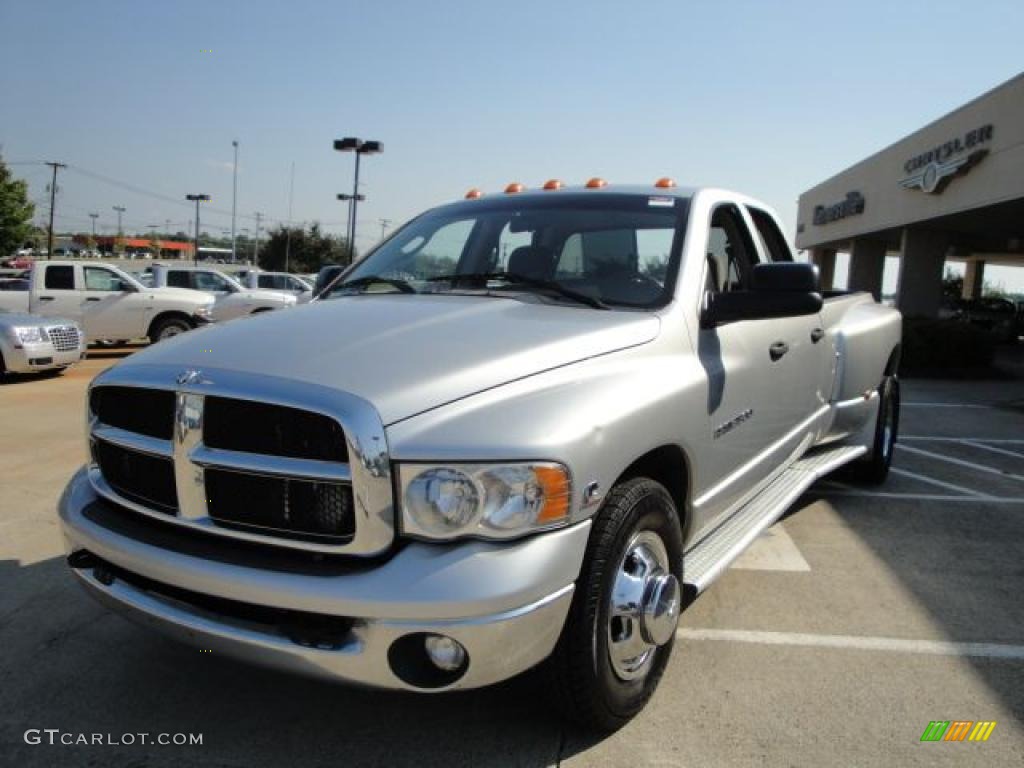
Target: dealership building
[951,191]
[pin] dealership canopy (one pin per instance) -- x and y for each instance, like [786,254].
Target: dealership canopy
[952,190]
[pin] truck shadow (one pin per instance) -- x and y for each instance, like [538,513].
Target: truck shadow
[69,664]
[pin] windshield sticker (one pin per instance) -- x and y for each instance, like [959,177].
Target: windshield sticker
[661,202]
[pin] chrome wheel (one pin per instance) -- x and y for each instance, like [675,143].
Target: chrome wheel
[644,609]
[888,430]
[170,331]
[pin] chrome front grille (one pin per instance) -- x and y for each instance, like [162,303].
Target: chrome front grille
[65,338]
[200,454]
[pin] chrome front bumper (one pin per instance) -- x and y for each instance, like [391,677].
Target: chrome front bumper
[21,359]
[505,603]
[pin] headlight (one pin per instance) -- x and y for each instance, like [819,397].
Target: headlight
[204,312]
[29,335]
[497,501]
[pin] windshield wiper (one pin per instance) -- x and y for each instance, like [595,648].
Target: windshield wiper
[363,282]
[533,282]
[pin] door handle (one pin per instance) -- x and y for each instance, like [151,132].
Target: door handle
[46,298]
[778,349]
[817,335]
[93,298]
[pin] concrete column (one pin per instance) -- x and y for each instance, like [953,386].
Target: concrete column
[867,262]
[922,258]
[974,280]
[825,258]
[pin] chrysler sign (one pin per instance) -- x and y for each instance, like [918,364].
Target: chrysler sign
[931,171]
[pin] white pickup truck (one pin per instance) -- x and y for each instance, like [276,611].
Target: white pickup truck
[233,299]
[285,282]
[107,302]
[527,428]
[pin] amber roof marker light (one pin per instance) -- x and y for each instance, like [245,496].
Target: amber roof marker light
[553,184]
[514,188]
[596,183]
[665,183]
[474,194]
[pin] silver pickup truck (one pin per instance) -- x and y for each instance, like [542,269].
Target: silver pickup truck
[527,428]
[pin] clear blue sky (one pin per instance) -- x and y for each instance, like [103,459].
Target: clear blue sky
[766,97]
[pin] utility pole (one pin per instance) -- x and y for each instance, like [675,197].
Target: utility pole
[53,202]
[288,237]
[198,199]
[256,247]
[120,234]
[94,216]
[234,201]
[384,224]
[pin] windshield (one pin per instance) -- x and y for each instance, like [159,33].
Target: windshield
[620,250]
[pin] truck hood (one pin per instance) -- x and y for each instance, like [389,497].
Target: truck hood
[266,294]
[199,298]
[407,354]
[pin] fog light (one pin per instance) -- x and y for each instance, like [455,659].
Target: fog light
[446,654]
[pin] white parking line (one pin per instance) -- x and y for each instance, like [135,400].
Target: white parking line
[960,462]
[945,405]
[920,496]
[854,642]
[938,439]
[1002,451]
[773,550]
[939,483]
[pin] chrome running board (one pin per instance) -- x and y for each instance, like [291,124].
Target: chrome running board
[709,558]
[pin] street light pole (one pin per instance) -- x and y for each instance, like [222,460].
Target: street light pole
[360,147]
[94,216]
[234,201]
[198,199]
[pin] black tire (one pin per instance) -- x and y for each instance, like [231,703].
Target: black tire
[874,469]
[167,328]
[581,671]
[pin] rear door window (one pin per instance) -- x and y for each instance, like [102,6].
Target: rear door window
[60,278]
[177,278]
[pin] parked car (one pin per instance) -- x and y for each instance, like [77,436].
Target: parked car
[18,262]
[107,302]
[1001,317]
[32,344]
[233,300]
[572,414]
[284,282]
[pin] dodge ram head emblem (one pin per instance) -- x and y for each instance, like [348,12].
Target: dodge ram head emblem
[191,376]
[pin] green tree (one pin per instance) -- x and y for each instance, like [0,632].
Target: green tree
[16,212]
[307,249]
[154,246]
[90,243]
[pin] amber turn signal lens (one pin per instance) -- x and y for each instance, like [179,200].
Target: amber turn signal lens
[513,188]
[555,485]
[474,194]
[596,183]
[553,184]
[665,183]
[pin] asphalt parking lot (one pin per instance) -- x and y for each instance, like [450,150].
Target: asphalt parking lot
[858,619]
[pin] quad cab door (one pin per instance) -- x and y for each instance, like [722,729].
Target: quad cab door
[56,292]
[761,398]
[112,308]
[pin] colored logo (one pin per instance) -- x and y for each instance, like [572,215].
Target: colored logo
[958,730]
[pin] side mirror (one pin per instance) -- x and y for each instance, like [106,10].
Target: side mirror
[128,288]
[784,289]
